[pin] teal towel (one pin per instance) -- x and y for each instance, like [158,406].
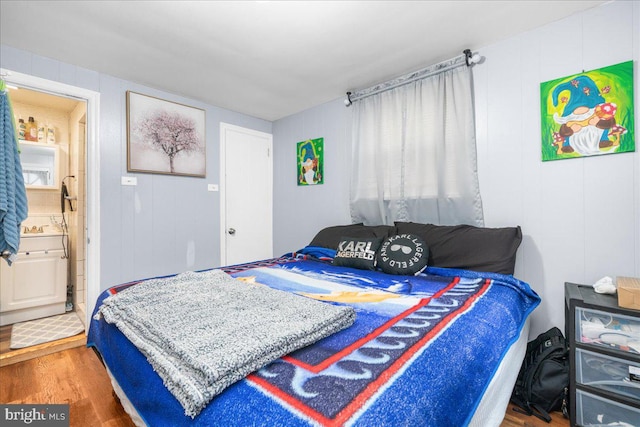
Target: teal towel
[13,194]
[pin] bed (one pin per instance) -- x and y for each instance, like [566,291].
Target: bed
[437,343]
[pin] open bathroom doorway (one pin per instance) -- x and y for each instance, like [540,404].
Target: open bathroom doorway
[73,215]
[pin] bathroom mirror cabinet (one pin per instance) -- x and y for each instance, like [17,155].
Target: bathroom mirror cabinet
[39,165]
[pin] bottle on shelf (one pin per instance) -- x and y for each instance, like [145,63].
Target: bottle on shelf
[31,131]
[51,135]
[42,133]
[22,129]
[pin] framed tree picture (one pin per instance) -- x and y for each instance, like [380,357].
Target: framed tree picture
[311,161]
[164,137]
[588,114]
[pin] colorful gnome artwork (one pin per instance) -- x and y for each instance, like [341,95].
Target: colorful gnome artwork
[310,162]
[590,113]
[587,118]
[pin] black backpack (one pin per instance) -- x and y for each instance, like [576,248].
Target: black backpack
[543,382]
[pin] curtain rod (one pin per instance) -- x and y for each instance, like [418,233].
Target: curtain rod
[467,58]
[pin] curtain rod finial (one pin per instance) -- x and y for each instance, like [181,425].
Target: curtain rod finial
[470,57]
[347,100]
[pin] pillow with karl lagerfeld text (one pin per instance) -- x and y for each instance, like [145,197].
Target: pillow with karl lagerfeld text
[357,252]
[405,254]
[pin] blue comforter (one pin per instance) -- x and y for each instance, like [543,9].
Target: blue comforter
[422,351]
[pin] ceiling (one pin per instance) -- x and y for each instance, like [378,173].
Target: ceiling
[267,59]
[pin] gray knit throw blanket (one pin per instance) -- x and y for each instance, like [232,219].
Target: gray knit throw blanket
[202,332]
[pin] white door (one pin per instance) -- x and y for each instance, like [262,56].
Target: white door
[246,195]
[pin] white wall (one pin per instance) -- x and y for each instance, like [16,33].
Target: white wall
[580,217]
[300,211]
[165,224]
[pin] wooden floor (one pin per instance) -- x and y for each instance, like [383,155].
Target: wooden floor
[74,376]
[77,377]
[514,419]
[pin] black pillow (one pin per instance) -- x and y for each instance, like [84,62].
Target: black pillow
[329,237]
[468,247]
[357,252]
[403,254]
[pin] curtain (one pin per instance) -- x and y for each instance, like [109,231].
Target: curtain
[414,153]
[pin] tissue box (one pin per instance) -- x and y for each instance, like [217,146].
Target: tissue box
[628,292]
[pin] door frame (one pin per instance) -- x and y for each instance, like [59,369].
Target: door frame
[224,129]
[92,172]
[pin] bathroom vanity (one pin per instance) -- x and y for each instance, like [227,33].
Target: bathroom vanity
[35,285]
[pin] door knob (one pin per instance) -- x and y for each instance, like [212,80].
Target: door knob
[231,231]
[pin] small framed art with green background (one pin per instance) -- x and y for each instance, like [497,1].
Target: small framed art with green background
[311,162]
[588,114]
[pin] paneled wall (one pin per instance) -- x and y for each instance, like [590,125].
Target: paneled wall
[165,224]
[299,211]
[580,217]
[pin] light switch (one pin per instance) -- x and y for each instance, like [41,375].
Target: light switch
[212,187]
[129,180]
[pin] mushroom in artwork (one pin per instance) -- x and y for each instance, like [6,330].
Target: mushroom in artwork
[606,110]
[557,142]
[615,132]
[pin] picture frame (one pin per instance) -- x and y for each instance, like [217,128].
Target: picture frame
[588,114]
[165,137]
[310,162]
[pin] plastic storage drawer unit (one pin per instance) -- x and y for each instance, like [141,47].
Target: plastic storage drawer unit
[604,351]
